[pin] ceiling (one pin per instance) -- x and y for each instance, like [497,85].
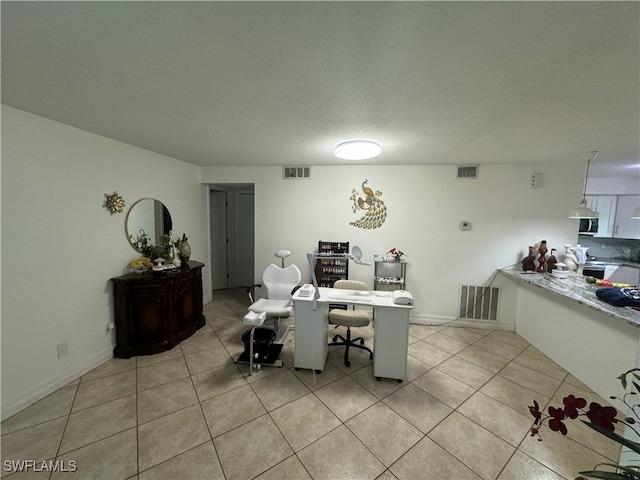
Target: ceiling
[282,83]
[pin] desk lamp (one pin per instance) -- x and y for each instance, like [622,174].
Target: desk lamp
[312,257]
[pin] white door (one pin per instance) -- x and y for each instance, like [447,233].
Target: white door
[218,224]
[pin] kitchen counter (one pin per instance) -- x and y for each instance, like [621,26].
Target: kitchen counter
[563,318]
[576,288]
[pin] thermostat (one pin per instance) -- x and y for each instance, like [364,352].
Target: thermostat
[465,225]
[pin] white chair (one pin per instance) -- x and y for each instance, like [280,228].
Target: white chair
[280,283]
[349,318]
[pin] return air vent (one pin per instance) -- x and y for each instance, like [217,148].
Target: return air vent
[296,172]
[467,171]
[478,302]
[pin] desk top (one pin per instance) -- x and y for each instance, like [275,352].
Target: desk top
[352,297]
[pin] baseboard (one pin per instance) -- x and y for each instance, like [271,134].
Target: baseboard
[435,320]
[47,387]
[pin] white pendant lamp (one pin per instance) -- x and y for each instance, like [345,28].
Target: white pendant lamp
[582,210]
[357,150]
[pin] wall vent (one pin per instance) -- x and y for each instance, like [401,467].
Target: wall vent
[296,172]
[478,302]
[467,171]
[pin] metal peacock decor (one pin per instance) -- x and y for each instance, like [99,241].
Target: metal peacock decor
[369,201]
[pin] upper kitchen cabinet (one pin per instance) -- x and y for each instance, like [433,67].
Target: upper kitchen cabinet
[625,226]
[605,205]
[614,215]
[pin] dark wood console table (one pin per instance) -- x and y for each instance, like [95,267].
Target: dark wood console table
[156,311]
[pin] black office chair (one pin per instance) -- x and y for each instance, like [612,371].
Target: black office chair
[350,318]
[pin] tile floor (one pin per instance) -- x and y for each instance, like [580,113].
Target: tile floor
[191,413]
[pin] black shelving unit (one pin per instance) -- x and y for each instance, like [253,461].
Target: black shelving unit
[328,270]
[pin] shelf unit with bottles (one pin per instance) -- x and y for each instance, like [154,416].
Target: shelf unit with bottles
[389,276]
[329,270]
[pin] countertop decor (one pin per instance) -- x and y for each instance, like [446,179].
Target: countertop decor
[576,288]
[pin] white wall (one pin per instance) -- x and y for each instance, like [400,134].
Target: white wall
[60,246]
[613,186]
[425,205]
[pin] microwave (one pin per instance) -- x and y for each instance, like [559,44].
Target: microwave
[588,226]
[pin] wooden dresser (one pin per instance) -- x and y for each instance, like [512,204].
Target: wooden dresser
[155,312]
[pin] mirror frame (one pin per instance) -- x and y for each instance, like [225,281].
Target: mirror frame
[165,223]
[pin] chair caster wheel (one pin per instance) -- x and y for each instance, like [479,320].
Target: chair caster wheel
[399,380]
[297,369]
[347,363]
[318,372]
[371,356]
[335,339]
[362,341]
[378,378]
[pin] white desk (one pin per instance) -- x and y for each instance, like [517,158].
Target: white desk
[391,330]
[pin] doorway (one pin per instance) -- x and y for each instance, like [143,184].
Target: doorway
[231,224]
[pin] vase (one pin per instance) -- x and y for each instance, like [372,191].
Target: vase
[184,249]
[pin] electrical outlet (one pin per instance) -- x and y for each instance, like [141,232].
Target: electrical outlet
[108,328]
[536,178]
[465,225]
[63,349]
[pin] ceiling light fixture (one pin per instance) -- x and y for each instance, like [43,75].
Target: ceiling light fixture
[635,213]
[357,150]
[583,211]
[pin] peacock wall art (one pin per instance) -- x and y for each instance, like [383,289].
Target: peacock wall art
[375,211]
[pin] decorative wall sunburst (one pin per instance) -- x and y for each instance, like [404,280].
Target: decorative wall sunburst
[114,203]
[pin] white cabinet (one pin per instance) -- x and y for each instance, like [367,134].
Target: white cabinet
[605,205]
[626,274]
[625,226]
[614,215]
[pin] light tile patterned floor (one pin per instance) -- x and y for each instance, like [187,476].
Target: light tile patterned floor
[191,413]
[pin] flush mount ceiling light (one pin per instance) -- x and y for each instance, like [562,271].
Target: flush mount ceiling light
[635,213]
[582,211]
[357,150]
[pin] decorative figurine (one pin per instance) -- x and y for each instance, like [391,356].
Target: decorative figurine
[552,261]
[528,262]
[571,260]
[542,256]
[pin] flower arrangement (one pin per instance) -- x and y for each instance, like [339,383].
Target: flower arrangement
[394,255]
[167,249]
[141,264]
[602,419]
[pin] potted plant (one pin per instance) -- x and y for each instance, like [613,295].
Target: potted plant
[602,419]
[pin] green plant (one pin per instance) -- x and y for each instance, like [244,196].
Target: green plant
[602,419]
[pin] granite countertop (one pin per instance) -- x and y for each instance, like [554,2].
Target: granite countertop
[618,261]
[576,288]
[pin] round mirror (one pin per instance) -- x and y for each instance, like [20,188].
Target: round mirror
[147,220]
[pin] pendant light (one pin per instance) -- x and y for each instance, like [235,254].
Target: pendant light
[583,211]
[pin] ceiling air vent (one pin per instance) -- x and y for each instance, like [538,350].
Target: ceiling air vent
[296,172]
[467,171]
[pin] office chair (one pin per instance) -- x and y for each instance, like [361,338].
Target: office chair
[349,318]
[280,283]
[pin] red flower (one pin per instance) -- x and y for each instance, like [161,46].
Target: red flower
[572,404]
[555,422]
[601,416]
[535,411]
